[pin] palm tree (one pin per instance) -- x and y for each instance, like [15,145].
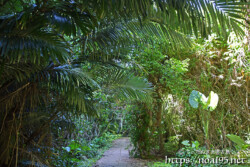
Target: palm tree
[43,44]
[36,70]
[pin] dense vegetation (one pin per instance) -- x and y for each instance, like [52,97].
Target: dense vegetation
[75,75]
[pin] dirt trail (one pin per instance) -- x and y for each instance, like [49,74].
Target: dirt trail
[118,156]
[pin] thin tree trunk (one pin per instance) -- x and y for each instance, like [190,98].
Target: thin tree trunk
[159,108]
[44,126]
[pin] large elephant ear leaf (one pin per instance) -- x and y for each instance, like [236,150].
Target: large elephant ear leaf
[213,100]
[195,98]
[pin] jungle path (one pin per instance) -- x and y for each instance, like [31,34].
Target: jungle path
[118,156]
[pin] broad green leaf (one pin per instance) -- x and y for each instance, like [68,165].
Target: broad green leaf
[67,149]
[185,143]
[85,148]
[195,98]
[213,100]
[203,99]
[75,160]
[195,144]
[74,145]
[237,140]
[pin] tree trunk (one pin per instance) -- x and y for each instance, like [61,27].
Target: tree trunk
[159,108]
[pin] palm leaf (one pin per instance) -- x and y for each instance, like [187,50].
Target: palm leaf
[124,85]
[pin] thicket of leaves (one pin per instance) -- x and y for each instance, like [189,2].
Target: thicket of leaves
[215,64]
[222,66]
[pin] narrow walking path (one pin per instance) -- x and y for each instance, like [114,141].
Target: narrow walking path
[118,156]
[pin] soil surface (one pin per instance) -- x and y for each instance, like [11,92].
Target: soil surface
[118,156]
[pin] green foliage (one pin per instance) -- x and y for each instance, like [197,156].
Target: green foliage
[171,146]
[65,59]
[90,135]
[190,151]
[160,69]
[207,103]
[82,152]
[139,130]
[212,101]
[240,143]
[195,98]
[160,164]
[167,77]
[219,65]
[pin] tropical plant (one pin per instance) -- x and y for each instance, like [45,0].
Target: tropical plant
[44,44]
[208,104]
[220,60]
[36,71]
[240,143]
[166,75]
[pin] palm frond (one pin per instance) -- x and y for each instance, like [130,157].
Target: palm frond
[113,42]
[204,16]
[69,18]
[201,17]
[37,47]
[40,80]
[124,85]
